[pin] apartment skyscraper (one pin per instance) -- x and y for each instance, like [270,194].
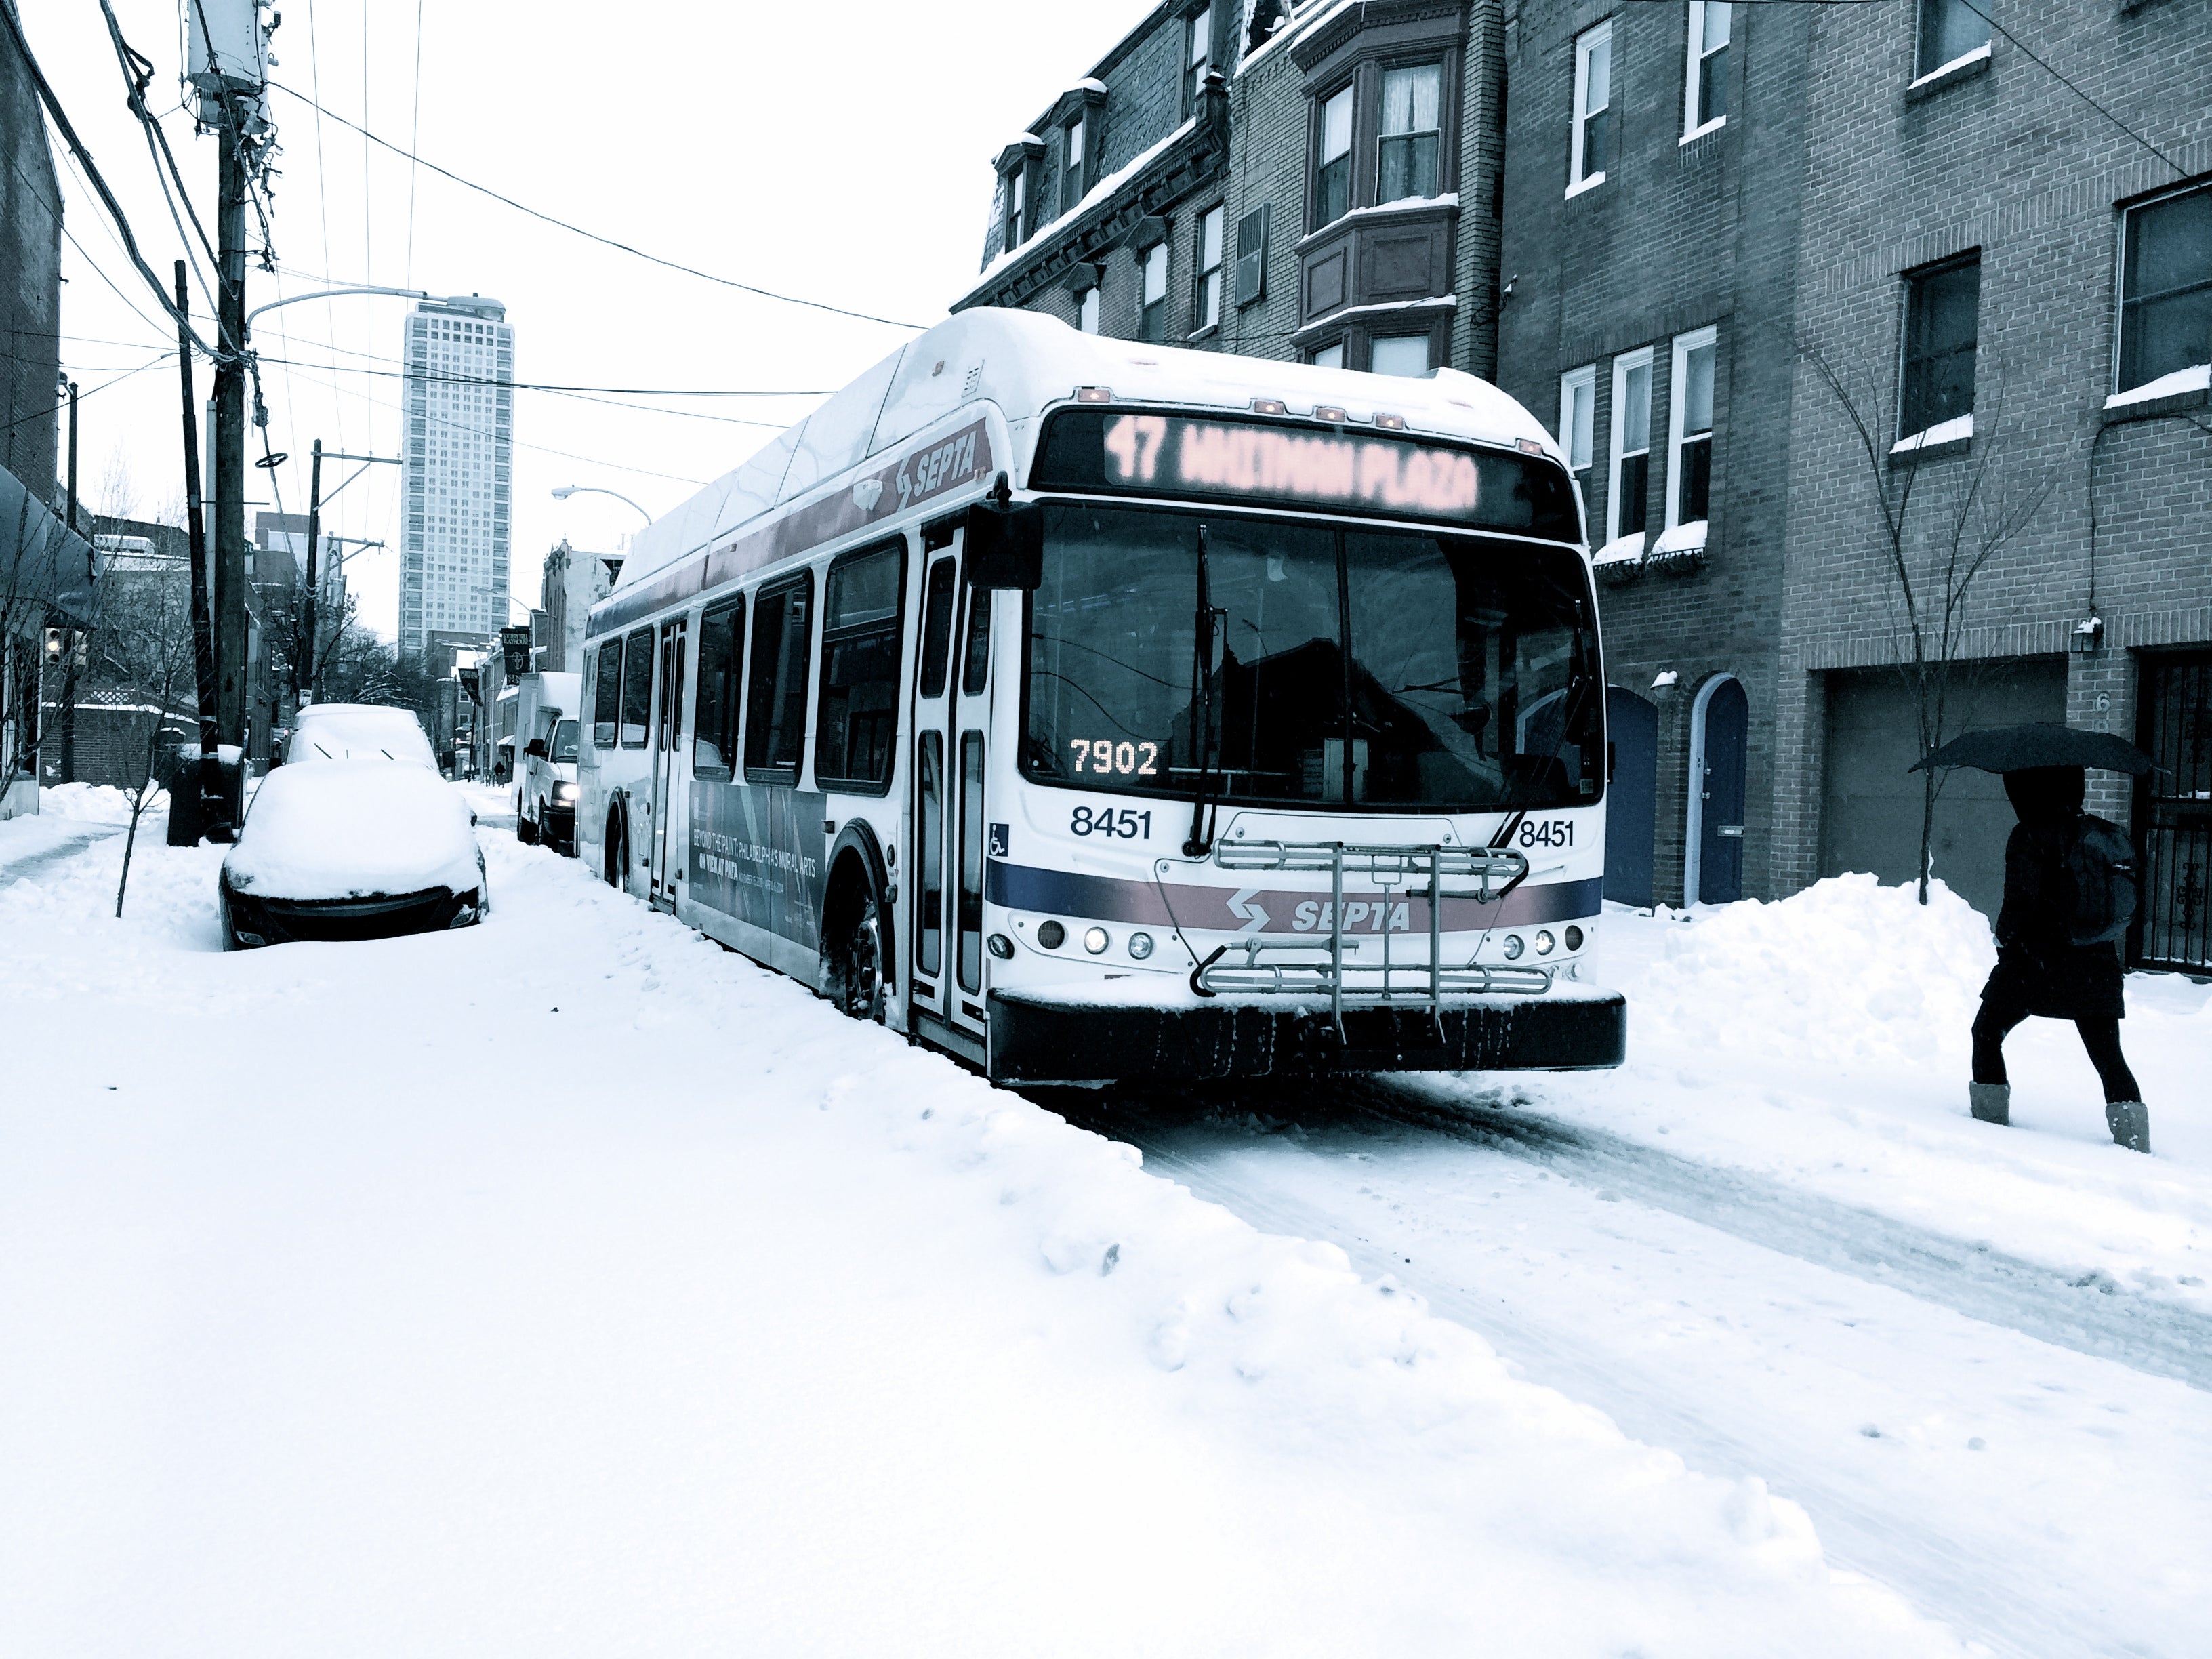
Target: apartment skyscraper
[459,471]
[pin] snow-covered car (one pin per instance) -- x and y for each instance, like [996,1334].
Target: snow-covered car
[358,730]
[352,849]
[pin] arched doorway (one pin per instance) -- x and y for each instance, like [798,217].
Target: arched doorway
[1632,795]
[1720,730]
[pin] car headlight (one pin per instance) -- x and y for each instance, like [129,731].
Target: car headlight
[564,791]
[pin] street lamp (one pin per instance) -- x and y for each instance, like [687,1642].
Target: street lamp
[564,491]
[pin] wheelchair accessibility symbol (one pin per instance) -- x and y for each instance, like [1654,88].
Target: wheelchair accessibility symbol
[999,841]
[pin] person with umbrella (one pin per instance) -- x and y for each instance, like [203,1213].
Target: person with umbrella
[2069,895]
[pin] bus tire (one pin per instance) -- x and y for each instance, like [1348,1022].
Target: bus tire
[854,946]
[617,845]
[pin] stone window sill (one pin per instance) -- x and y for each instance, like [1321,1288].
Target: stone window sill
[1710,128]
[2192,389]
[1583,186]
[1975,63]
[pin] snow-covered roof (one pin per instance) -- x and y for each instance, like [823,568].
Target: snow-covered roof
[1023,362]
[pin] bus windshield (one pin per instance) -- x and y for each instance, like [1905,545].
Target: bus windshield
[1348,669]
[564,741]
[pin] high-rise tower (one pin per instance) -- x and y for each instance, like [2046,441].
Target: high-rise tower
[459,470]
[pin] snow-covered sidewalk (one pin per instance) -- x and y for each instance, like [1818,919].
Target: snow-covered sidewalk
[568,1285]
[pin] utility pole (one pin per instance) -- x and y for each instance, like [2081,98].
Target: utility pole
[307,685]
[230,434]
[71,636]
[184,825]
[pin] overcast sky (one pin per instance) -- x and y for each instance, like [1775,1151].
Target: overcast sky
[837,153]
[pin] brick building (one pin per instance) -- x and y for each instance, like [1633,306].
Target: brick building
[1794,275]
[1310,181]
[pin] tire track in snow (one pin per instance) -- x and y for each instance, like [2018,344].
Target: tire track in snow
[2089,1315]
[2014,1613]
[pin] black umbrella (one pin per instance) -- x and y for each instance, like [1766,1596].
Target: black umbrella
[2021,748]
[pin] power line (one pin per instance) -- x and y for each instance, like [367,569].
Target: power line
[2021,47]
[593,236]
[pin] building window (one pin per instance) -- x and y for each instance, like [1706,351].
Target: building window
[1071,185]
[1950,30]
[1691,429]
[1333,174]
[1016,199]
[1705,97]
[1578,412]
[1329,357]
[1632,441]
[1198,57]
[1412,120]
[1208,309]
[2166,288]
[1404,354]
[1153,302]
[1593,107]
[1942,307]
[1086,311]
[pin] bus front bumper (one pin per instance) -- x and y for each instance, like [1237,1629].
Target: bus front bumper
[1038,1038]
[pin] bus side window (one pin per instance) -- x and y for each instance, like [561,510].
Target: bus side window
[714,730]
[636,688]
[606,702]
[937,628]
[857,718]
[978,649]
[775,695]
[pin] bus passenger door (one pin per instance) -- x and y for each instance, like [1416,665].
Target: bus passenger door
[664,845]
[929,848]
[971,829]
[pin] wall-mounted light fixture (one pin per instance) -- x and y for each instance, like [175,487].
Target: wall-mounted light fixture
[2088,634]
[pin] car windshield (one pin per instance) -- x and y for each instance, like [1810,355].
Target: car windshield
[1397,669]
[564,741]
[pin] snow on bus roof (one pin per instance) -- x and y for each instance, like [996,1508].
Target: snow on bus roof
[1023,361]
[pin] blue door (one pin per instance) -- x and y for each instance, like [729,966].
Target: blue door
[1631,796]
[1720,842]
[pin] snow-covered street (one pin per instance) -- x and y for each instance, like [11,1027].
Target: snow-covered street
[568,1284]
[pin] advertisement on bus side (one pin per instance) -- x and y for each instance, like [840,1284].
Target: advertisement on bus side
[757,855]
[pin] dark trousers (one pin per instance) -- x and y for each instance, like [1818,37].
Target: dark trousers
[2101,1037]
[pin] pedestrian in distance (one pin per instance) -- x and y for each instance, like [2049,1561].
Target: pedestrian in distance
[2069,895]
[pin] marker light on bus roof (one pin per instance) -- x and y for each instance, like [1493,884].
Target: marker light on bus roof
[1393,423]
[1529,446]
[1331,413]
[1094,394]
[1268,406]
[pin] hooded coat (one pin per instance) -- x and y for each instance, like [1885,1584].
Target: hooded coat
[2040,969]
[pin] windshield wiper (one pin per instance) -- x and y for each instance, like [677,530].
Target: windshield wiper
[1200,842]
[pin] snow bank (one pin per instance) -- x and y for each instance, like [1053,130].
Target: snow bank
[92,803]
[654,1288]
[345,829]
[1848,968]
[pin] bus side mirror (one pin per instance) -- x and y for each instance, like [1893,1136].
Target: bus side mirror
[535,748]
[1005,546]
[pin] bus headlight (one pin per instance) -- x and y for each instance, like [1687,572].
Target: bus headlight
[1513,947]
[1574,938]
[1140,945]
[1095,941]
[1001,946]
[1051,934]
[1544,944]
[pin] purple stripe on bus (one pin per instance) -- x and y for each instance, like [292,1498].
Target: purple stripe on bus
[1236,909]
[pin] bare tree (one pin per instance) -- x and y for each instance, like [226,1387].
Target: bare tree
[1933,544]
[145,648]
[115,493]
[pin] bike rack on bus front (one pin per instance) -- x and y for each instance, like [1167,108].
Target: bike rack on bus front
[1284,966]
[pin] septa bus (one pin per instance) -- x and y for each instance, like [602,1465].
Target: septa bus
[1091,710]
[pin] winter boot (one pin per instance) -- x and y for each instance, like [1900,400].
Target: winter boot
[2130,1123]
[1990,1101]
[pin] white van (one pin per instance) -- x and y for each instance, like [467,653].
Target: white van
[546,762]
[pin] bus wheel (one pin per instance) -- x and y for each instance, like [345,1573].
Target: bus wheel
[618,871]
[855,965]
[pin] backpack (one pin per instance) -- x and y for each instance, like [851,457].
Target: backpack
[2097,885]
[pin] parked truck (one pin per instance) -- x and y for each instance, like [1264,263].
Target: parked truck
[545,729]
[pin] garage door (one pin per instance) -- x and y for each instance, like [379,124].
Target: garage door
[1870,816]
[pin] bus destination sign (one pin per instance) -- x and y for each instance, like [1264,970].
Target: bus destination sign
[1225,459]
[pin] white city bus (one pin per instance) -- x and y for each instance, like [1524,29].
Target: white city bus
[1091,710]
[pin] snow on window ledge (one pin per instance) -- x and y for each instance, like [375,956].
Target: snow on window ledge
[1621,549]
[1681,537]
[1590,183]
[1696,133]
[1952,71]
[1955,431]
[2196,379]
